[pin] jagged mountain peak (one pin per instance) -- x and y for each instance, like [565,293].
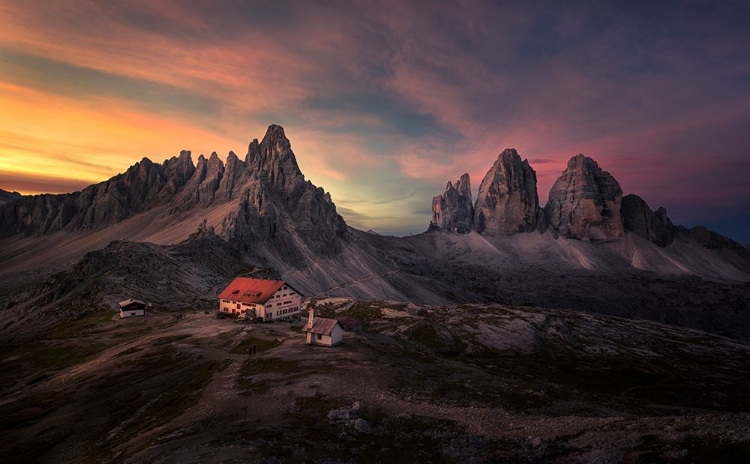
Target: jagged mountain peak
[507,201]
[274,162]
[463,185]
[253,151]
[453,209]
[263,203]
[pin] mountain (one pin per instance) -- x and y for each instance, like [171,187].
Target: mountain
[638,218]
[507,201]
[8,197]
[453,210]
[260,204]
[584,202]
[591,250]
[479,342]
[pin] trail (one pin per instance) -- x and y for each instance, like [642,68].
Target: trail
[384,274]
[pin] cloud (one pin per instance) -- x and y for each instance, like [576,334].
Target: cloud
[386,101]
[32,183]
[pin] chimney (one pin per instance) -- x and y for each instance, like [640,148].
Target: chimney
[311,318]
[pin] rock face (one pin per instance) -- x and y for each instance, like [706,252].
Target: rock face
[8,197]
[709,238]
[453,210]
[585,202]
[276,209]
[507,202]
[279,206]
[638,218]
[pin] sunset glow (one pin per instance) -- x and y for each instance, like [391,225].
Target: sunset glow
[384,102]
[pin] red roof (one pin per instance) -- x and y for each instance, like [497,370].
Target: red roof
[250,290]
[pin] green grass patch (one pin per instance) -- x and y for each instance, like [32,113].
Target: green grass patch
[443,344]
[273,370]
[37,361]
[71,328]
[172,401]
[260,345]
[29,409]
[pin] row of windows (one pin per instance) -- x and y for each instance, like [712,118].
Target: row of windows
[285,294]
[283,312]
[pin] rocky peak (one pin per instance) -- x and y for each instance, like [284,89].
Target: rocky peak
[272,208]
[507,201]
[453,209]
[638,218]
[8,197]
[279,204]
[585,202]
[274,161]
[176,172]
[253,152]
[234,179]
[463,186]
[215,164]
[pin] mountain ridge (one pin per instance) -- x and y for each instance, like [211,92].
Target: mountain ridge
[267,192]
[585,203]
[261,211]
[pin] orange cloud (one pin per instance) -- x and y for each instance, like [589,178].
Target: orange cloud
[46,136]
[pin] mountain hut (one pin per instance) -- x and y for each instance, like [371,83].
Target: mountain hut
[266,298]
[322,331]
[132,308]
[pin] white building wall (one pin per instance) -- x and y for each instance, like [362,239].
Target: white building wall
[335,338]
[132,313]
[285,302]
[229,306]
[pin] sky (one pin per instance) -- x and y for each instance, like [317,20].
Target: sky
[386,101]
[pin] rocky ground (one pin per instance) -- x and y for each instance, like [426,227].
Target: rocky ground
[469,383]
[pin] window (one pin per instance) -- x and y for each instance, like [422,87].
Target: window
[320,337]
